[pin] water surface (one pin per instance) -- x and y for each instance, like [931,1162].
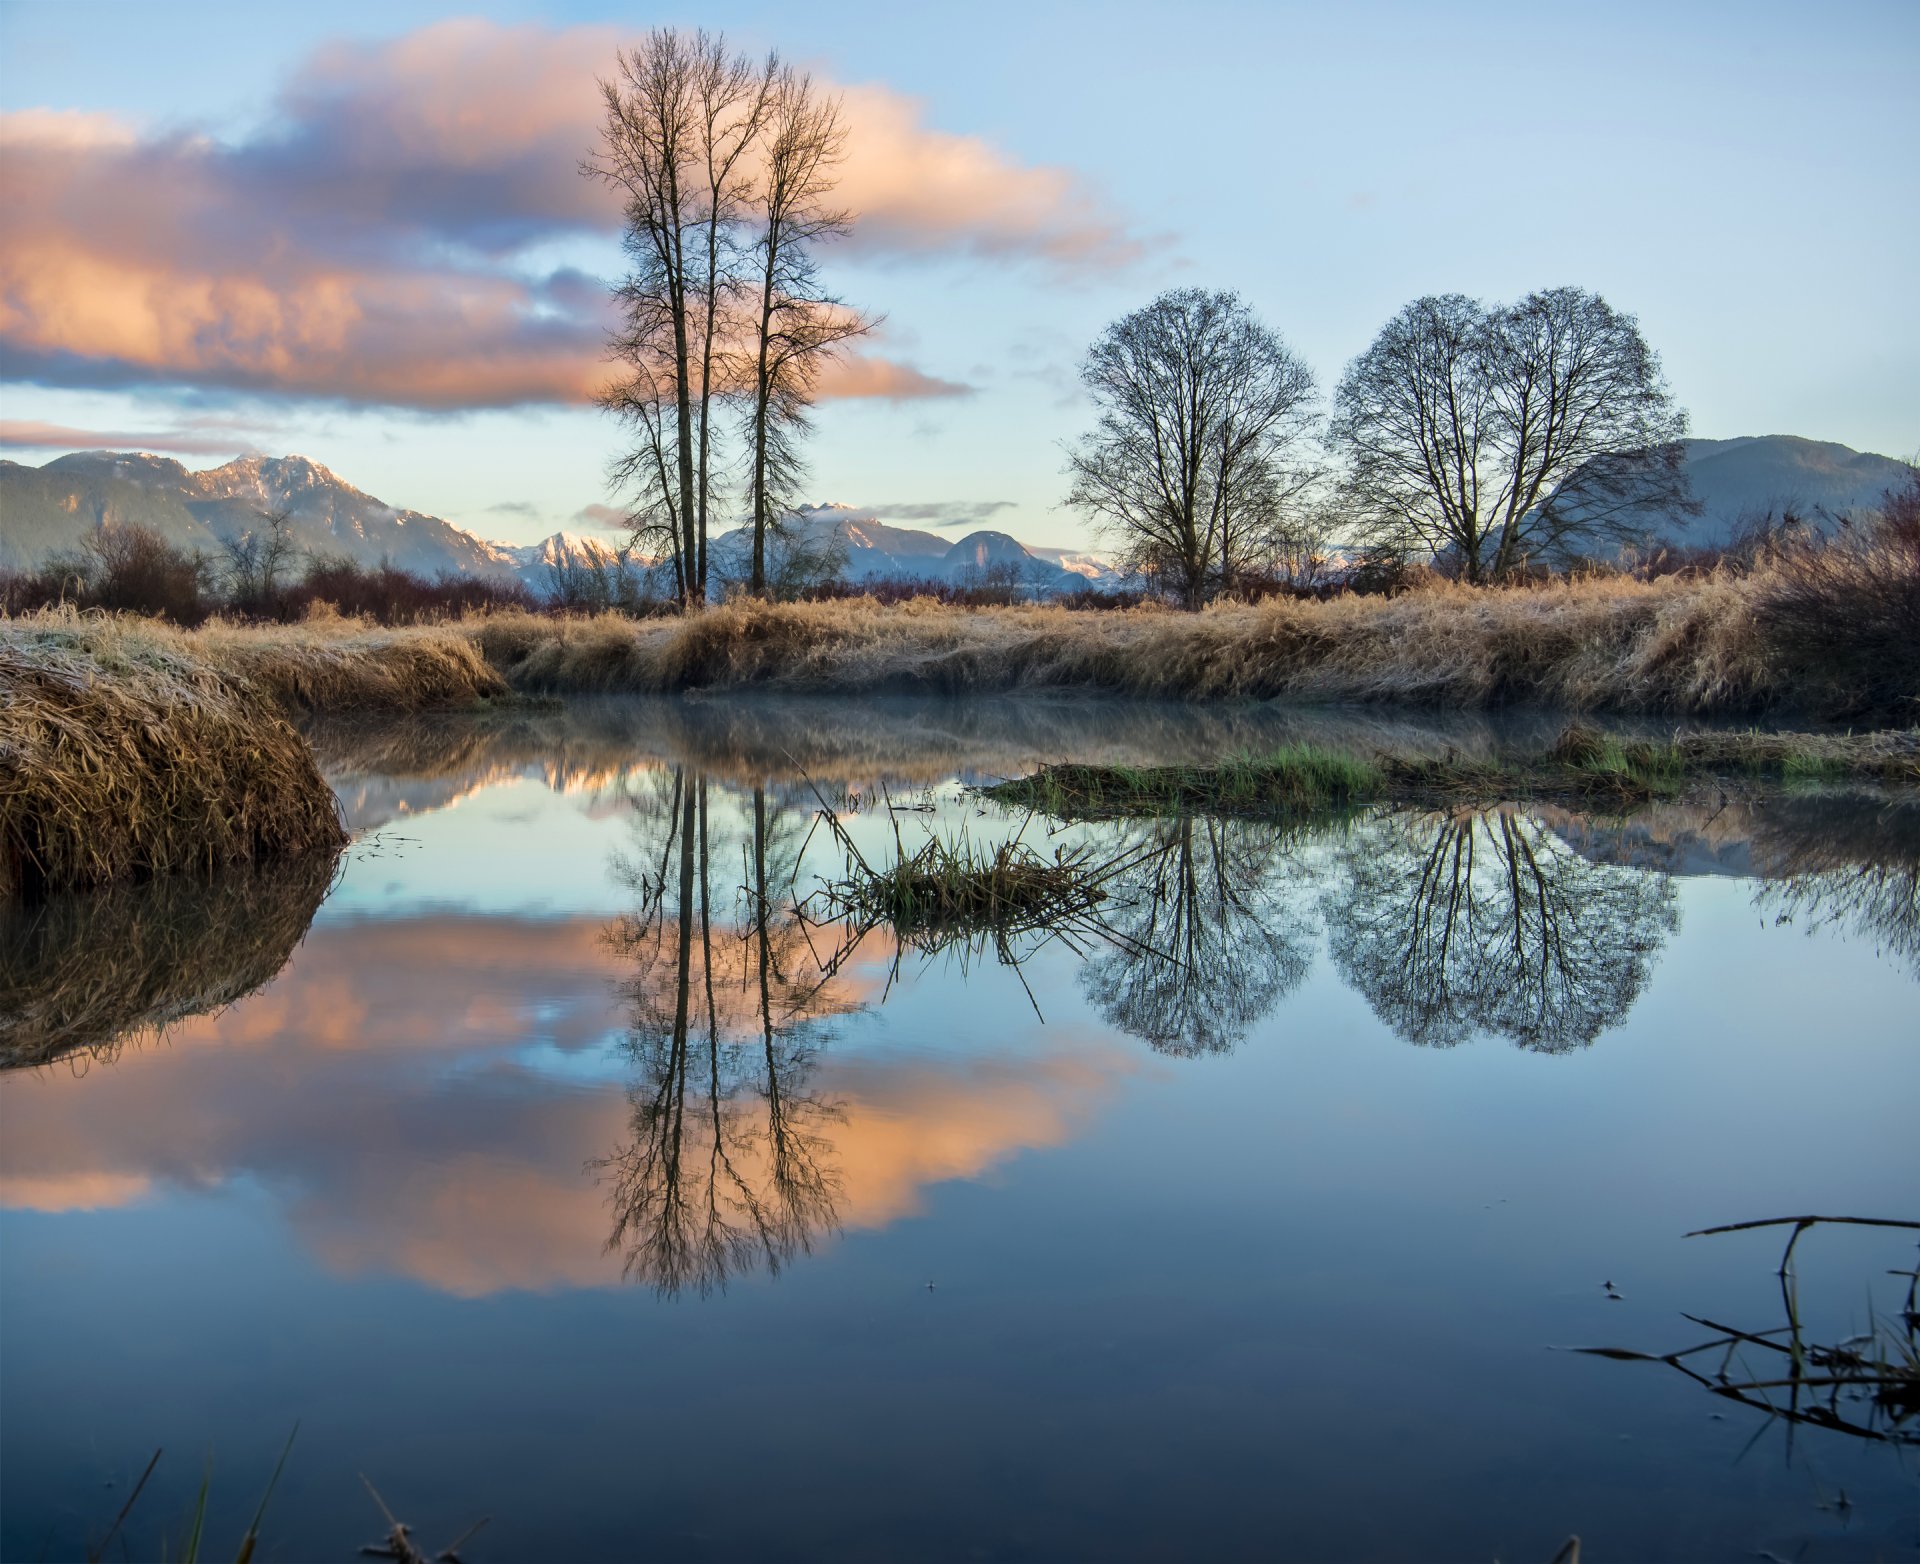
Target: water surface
[580,1169]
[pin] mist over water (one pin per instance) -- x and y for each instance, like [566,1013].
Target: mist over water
[586,1166]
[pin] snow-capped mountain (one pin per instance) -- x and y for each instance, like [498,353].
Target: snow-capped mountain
[874,550]
[47,508]
[51,508]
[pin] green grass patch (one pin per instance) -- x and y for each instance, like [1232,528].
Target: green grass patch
[1583,764]
[1294,779]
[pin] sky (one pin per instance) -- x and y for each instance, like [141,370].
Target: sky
[356,231]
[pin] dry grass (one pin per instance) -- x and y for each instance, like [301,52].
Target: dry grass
[124,759]
[1621,645]
[87,974]
[326,664]
[1728,643]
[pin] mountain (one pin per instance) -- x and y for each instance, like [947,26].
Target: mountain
[53,507]
[44,510]
[48,509]
[536,563]
[1740,481]
[877,551]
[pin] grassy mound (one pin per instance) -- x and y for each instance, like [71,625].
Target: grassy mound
[1583,763]
[114,767]
[1297,779]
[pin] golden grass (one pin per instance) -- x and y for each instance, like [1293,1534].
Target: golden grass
[120,759]
[1713,645]
[88,974]
[327,664]
[1595,645]
[1601,644]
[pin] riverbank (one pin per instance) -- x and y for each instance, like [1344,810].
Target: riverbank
[1584,765]
[1722,646]
[116,766]
[129,747]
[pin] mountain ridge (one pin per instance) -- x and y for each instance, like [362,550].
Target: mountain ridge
[52,507]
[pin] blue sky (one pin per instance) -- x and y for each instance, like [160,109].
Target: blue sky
[1741,177]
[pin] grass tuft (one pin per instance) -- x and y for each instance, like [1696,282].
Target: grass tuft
[115,767]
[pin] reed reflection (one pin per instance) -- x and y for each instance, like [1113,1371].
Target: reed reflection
[1484,921]
[1834,864]
[83,974]
[729,1165]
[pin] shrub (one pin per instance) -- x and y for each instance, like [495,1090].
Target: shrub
[391,596]
[1841,616]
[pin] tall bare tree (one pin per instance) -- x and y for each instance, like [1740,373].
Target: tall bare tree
[682,117]
[733,98]
[1200,409]
[1500,436]
[797,326]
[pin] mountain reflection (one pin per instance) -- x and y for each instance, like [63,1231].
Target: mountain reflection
[1485,921]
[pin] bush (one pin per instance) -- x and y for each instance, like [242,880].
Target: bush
[120,569]
[392,596]
[1841,616]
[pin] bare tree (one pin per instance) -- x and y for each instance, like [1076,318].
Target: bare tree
[1501,436]
[258,558]
[730,1162]
[647,471]
[681,119]
[1200,409]
[797,326]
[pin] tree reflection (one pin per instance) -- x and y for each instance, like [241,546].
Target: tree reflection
[1849,867]
[1198,953]
[729,1164]
[1483,920]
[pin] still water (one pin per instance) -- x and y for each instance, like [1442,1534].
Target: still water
[582,1169]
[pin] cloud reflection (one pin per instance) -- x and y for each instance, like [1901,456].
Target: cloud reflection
[424,1099]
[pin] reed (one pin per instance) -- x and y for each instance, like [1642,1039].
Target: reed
[117,763]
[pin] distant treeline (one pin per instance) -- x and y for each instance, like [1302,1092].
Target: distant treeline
[135,570]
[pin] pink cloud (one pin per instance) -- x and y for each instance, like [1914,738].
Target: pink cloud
[371,243]
[23,434]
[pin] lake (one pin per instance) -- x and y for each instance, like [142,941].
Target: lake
[576,1158]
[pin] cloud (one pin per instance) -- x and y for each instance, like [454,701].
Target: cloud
[920,191]
[375,242]
[194,440]
[524,508]
[861,377]
[610,517]
[942,513]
